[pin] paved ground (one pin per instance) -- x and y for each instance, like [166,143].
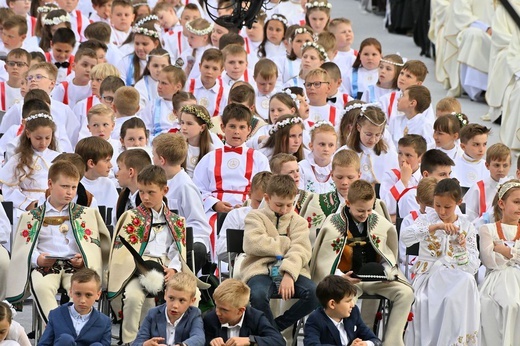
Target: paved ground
[370,25]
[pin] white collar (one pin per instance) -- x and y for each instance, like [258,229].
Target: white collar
[76,315]
[174,324]
[238,325]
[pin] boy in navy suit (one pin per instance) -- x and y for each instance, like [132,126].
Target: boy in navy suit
[78,323]
[175,322]
[235,323]
[338,321]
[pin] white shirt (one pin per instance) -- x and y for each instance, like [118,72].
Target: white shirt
[161,242]
[341,329]
[234,331]
[469,171]
[116,132]
[12,96]
[246,77]
[117,37]
[105,192]
[78,320]
[147,88]
[213,99]
[75,93]
[419,124]
[158,116]
[170,328]
[51,240]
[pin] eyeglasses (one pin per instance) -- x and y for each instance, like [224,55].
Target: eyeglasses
[315,84]
[37,78]
[16,63]
[108,99]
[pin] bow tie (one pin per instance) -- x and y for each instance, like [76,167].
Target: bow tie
[332,99]
[62,64]
[237,150]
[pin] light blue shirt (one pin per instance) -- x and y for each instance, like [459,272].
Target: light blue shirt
[78,320]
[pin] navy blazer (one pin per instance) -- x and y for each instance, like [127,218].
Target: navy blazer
[320,331]
[255,323]
[98,329]
[189,330]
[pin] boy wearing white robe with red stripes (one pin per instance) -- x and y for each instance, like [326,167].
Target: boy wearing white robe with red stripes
[224,175]
[317,87]
[17,65]
[479,197]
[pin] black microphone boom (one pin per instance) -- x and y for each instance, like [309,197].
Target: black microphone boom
[244,13]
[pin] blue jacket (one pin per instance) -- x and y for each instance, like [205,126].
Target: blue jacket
[320,331]
[189,330]
[255,323]
[97,329]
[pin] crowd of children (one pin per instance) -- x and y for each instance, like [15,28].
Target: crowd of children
[135,138]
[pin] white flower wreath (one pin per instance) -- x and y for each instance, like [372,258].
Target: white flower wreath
[45,9]
[319,48]
[202,32]
[319,124]
[145,31]
[280,19]
[280,125]
[57,20]
[318,4]
[353,106]
[36,116]
[146,19]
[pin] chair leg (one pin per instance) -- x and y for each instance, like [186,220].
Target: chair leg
[37,323]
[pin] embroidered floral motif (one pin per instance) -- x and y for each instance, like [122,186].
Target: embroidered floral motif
[315,220]
[178,229]
[30,231]
[136,230]
[85,233]
[466,340]
[337,244]
[375,240]
[309,186]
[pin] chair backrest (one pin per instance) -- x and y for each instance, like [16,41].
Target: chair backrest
[462,208]
[235,240]
[9,210]
[106,214]
[220,221]
[189,239]
[413,250]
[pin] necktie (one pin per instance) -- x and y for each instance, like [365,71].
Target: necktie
[332,99]
[64,64]
[237,150]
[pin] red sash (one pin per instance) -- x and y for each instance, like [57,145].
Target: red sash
[33,24]
[246,76]
[219,100]
[482,197]
[79,23]
[90,100]
[2,95]
[391,105]
[414,214]
[246,41]
[65,92]
[192,85]
[179,40]
[332,115]
[345,99]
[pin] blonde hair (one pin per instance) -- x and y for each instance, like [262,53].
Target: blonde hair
[104,70]
[232,292]
[498,152]
[448,105]
[328,128]
[318,72]
[126,100]
[185,282]
[172,147]
[51,70]
[233,49]
[100,110]
[346,158]
[425,191]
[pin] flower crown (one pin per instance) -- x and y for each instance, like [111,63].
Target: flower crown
[392,62]
[318,47]
[293,96]
[353,106]
[362,114]
[144,31]
[45,9]
[502,189]
[300,31]
[146,19]
[198,113]
[39,115]
[460,116]
[57,20]
[319,124]
[318,4]
[138,4]
[280,19]
[280,125]
[201,32]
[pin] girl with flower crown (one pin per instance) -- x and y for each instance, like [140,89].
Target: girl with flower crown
[500,253]
[274,32]
[33,42]
[367,140]
[389,69]
[24,176]
[285,136]
[447,305]
[145,37]
[50,21]
[289,67]
[446,133]
[199,31]
[317,15]
[279,104]
[195,123]
[315,170]
[147,85]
